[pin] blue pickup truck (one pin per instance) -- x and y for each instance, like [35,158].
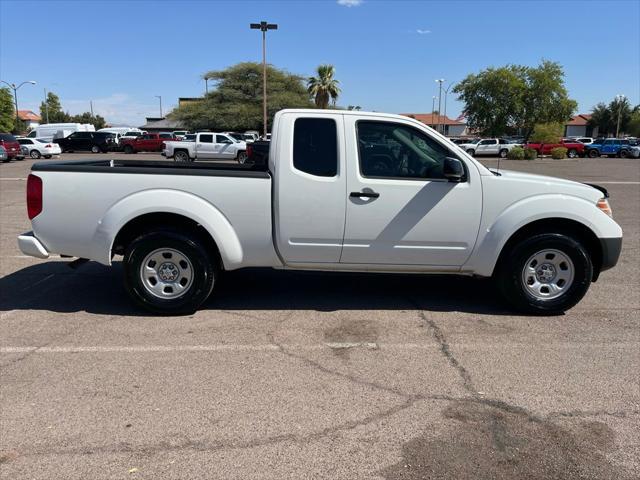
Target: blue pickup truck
[609,147]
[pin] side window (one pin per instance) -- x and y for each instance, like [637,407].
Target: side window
[206,138]
[222,139]
[315,146]
[393,150]
[502,141]
[487,142]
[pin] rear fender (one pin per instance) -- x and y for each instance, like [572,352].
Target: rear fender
[167,201]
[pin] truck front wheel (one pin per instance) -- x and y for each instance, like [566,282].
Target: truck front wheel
[168,272]
[594,153]
[242,156]
[545,274]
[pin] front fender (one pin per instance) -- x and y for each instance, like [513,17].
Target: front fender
[494,235]
[167,201]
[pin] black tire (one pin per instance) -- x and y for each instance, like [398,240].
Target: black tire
[128,149]
[204,269]
[572,153]
[47,157]
[503,153]
[509,273]
[242,157]
[624,153]
[471,152]
[6,160]
[593,153]
[35,154]
[95,149]
[181,156]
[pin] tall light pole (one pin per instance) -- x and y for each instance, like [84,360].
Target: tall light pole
[46,105]
[159,97]
[15,96]
[440,81]
[446,92]
[206,85]
[433,105]
[263,27]
[620,98]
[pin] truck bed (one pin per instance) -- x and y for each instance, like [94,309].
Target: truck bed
[156,168]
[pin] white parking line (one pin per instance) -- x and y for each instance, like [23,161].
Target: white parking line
[609,183]
[12,178]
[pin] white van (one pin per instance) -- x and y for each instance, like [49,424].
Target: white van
[49,131]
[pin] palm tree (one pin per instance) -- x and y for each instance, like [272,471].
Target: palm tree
[324,87]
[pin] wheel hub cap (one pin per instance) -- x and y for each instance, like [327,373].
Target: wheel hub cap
[166,273]
[548,274]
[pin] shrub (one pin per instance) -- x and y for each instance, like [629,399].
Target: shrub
[516,153]
[547,133]
[559,153]
[530,154]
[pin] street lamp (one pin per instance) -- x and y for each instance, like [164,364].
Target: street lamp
[620,98]
[206,85]
[15,96]
[446,92]
[440,81]
[159,97]
[263,27]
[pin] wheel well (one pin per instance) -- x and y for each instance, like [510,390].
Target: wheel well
[571,228]
[161,220]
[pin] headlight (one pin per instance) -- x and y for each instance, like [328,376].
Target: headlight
[603,204]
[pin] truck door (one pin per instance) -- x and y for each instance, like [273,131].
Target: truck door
[205,146]
[310,187]
[486,147]
[223,147]
[400,208]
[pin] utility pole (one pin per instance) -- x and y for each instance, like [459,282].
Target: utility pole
[206,85]
[159,97]
[91,105]
[620,98]
[440,81]
[263,27]
[15,97]
[46,105]
[446,92]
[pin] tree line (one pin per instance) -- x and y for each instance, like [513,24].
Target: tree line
[55,113]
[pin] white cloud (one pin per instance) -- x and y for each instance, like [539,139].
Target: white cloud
[420,31]
[350,3]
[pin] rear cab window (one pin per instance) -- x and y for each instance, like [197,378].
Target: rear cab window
[315,146]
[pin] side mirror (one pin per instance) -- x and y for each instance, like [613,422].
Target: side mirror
[453,169]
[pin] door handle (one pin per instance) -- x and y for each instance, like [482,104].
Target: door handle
[364,194]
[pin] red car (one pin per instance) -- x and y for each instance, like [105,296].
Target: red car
[574,149]
[12,146]
[149,142]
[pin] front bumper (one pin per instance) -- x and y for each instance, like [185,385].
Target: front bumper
[611,248]
[30,245]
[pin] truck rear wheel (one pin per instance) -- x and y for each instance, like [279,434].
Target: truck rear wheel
[624,153]
[503,153]
[545,274]
[168,272]
[594,153]
[471,152]
[181,156]
[572,153]
[128,149]
[242,157]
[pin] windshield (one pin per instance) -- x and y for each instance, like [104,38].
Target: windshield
[41,141]
[133,134]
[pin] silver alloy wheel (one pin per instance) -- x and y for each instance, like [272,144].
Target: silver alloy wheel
[95,149]
[548,274]
[242,157]
[166,273]
[572,154]
[181,156]
[34,153]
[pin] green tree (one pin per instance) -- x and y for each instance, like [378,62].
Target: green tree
[547,133]
[236,101]
[86,117]
[515,97]
[605,117]
[7,111]
[633,128]
[324,87]
[56,114]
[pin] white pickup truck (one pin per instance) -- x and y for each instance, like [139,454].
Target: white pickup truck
[489,146]
[342,191]
[207,146]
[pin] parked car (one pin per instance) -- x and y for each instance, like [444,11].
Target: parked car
[343,191]
[610,147]
[489,146]
[95,142]
[149,142]
[179,134]
[254,134]
[131,134]
[49,131]
[11,146]
[208,146]
[37,147]
[574,149]
[4,158]
[240,137]
[585,140]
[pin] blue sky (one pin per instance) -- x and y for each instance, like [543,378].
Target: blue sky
[387,54]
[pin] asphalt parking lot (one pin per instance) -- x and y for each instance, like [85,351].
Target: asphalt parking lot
[308,375]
